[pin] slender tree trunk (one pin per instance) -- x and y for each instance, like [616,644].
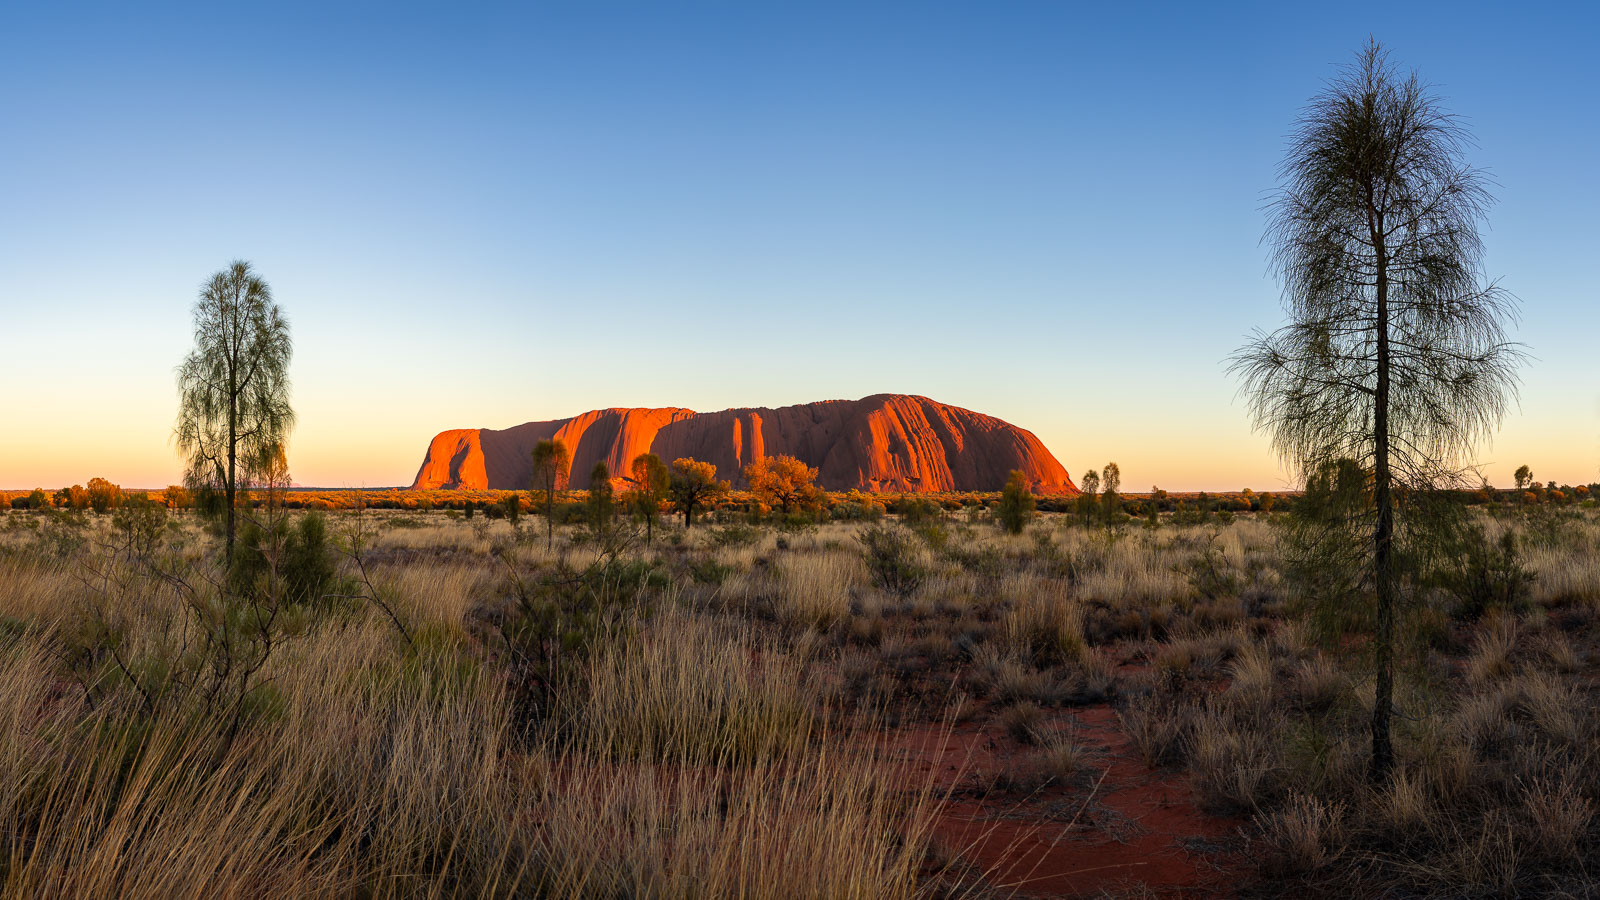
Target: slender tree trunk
[549,516]
[233,451]
[1383,534]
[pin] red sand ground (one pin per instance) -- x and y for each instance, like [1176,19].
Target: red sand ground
[1122,827]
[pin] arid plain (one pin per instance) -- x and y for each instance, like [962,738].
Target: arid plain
[853,702]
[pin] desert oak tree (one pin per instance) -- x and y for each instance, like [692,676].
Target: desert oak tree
[1394,356]
[233,389]
[552,463]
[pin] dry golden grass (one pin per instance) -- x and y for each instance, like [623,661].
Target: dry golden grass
[721,728]
[699,765]
[815,588]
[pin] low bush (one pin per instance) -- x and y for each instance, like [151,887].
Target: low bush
[892,560]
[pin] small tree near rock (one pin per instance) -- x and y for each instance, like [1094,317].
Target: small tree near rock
[650,480]
[552,463]
[599,507]
[1016,503]
[691,484]
[784,482]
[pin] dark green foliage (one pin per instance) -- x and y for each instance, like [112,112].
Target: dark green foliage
[934,533]
[1016,504]
[1110,508]
[309,570]
[1088,502]
[918,510]
[1111,498]
[555,619]
[1395,352]
[796,522]
[295,560]
[1211,576]
[1326,562]
[512,503]
[211,504]
[709,571]
[62,534]
[1484,575]
[600,508]
[571,512]
[552,463]
[233,405]
[140,521]
[851,511]
[735,535]
[892,559]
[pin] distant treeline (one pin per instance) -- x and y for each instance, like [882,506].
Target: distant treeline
[100,495]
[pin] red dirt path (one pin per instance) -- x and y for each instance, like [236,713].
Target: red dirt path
[1119,827]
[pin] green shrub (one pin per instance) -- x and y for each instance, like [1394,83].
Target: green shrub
[920,510]
[1016,504]
[851,511]
[709,571]
[572,512]
[555,621]
[305,568]
[1483,575]
[735,535]
[892,559]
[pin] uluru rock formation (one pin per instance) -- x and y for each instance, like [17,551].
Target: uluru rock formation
[886,442]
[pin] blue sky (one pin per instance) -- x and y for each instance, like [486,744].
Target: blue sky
[479,216]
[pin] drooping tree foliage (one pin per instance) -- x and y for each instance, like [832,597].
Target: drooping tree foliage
[1111,497]
[552,463]
[1395,357]
[233,389]
[599,508]
[1089,497]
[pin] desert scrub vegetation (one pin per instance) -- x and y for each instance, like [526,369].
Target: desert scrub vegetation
[443,706]
[173,728]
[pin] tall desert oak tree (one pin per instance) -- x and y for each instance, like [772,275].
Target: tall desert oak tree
[552,463]
[1394,358]
[233,389]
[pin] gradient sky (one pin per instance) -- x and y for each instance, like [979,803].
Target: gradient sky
[478,216]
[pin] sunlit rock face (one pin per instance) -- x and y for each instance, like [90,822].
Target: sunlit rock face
[886,442]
